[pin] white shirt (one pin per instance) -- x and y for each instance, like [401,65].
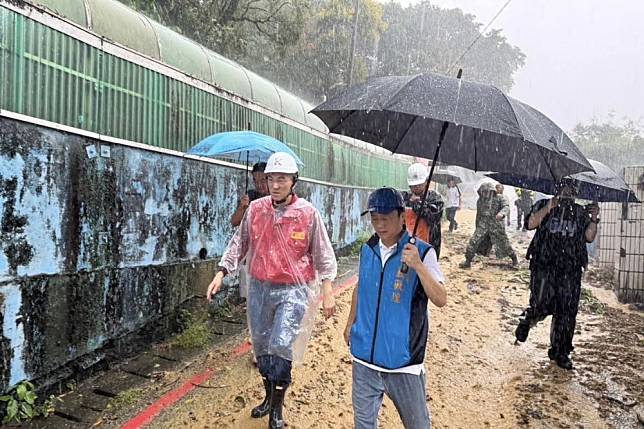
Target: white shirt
[453,197]
[431,262]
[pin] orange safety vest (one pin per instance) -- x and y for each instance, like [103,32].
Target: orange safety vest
[423,232]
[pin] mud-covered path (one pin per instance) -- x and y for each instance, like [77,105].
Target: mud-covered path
[477,376]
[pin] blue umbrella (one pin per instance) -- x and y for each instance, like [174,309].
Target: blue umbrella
[239,145]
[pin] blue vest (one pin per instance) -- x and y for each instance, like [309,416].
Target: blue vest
[390,329]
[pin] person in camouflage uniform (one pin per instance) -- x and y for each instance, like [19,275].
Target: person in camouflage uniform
[500,190]
[491,211]
[524,205]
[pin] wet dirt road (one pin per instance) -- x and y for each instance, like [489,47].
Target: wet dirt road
[477,376]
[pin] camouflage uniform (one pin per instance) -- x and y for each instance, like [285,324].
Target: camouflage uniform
[490,231]
[524,205]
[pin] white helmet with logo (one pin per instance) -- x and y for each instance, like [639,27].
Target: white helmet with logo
[281,162]
[417,174]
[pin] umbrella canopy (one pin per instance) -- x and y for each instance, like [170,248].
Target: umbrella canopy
[445,175]
[476,126]
[603,185]
[243,146]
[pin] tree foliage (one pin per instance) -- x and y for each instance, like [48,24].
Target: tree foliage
[306,45]
[233,28]
[318,65]
[424,38]
[617,144]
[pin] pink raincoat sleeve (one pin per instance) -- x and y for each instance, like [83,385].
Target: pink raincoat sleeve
[238,246]
[322,251]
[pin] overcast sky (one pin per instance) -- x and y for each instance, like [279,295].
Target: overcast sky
[585,58]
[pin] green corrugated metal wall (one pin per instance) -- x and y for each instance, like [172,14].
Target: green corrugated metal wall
[49,75]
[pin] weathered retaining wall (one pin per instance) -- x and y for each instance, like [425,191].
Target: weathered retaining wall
[98,241]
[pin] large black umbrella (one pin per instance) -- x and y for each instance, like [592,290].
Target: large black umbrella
[602,185]
[482,128]
[464,123]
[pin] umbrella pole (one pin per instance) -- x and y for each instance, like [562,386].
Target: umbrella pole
[246,172]
[431,173]
[247,153]
[404,268]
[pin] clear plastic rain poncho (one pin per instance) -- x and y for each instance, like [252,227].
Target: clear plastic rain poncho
[287,252]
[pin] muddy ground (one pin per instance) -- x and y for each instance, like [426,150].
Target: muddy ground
[477,376]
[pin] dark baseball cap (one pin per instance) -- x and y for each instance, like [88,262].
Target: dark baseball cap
[385,200]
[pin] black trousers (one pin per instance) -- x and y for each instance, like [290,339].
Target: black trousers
[555,292]
[451,217]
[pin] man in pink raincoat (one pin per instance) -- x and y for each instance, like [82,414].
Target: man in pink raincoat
[288,250]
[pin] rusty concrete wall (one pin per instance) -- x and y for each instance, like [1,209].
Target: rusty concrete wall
[98,241]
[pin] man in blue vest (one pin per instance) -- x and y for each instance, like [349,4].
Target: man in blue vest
[388,324]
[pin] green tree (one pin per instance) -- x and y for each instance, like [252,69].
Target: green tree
[317,66]
[305,45]
[424,38]
[617,144]
[233,28]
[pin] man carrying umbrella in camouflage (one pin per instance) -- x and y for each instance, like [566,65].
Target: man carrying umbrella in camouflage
[491,211]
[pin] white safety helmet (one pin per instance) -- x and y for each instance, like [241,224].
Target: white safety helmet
[417,174]
[281,162]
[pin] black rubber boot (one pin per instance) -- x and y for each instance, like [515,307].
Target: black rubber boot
[552,354]
[275,419]
[563,361]
[522,331]
[515,261]
[262,409]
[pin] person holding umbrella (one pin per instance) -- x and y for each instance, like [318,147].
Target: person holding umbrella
[428,211]
[244,147]
[388,323]
[288,249]
[261,190]
[558,256]
[491,210]
[454,203]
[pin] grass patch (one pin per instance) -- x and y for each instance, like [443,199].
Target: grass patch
[196,331]
[589,303]
[223,311]
[125,399]
[363,237]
